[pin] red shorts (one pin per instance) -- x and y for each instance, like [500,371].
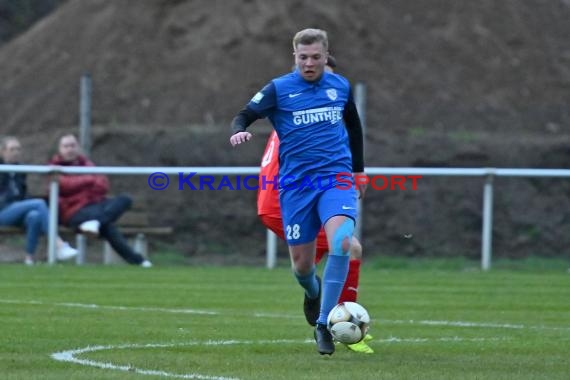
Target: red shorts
[275,224]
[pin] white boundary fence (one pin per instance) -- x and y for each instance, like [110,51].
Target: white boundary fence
[487,173]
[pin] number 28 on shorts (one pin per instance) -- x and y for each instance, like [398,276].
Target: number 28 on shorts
[293,231]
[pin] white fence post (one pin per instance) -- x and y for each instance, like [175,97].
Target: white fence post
[487,234]
[81,245]
[85,113]
[271,249]
[53,217]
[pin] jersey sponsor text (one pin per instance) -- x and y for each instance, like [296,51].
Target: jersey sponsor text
[316,115]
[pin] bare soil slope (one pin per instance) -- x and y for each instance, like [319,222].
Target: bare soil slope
[449,83]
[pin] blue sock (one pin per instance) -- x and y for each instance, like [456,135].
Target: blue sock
[309,283]
[334,277]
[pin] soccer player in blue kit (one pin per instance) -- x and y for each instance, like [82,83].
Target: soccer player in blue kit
[315,117]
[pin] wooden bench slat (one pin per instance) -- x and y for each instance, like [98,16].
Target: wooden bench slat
[134,218]
[146,230]
[128,230]
[10,230]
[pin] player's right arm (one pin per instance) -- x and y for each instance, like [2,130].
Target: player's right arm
[260,106]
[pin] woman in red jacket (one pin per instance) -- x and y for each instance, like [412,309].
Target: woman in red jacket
[83,202]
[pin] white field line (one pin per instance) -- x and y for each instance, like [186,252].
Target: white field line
[436,323]
[466,324]
[71,356]
[490,325]
[106,307]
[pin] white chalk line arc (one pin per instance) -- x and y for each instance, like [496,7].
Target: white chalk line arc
[71,356]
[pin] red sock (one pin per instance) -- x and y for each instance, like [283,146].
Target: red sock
[350,290]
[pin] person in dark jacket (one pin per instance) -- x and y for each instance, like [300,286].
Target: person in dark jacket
[18,210]
[83,202]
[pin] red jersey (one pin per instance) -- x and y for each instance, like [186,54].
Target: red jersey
[268,193]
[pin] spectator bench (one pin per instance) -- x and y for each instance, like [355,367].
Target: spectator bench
[134,225]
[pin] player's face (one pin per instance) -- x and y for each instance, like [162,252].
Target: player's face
[311,60]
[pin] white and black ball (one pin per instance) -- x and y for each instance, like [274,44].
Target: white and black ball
[348,322]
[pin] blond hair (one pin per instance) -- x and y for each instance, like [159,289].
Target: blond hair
[309,37]
[5,140]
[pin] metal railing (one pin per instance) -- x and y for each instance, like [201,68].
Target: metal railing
[487,173]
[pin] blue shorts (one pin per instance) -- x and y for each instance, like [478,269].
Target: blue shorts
[306,210]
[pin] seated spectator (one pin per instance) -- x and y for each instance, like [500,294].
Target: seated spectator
[83,202]
[18,210]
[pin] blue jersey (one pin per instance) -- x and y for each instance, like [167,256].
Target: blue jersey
[308,118]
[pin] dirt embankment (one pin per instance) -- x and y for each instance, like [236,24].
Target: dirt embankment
[448,84]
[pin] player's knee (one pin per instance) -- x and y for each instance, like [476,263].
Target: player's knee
[342,238]
[302,263]
[355,249]
[302,267]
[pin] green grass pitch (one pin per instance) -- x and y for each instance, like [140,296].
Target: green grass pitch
[120,322]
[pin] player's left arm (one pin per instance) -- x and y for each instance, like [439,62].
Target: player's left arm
[356,141]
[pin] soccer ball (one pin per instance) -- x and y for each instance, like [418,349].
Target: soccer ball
[348,322]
